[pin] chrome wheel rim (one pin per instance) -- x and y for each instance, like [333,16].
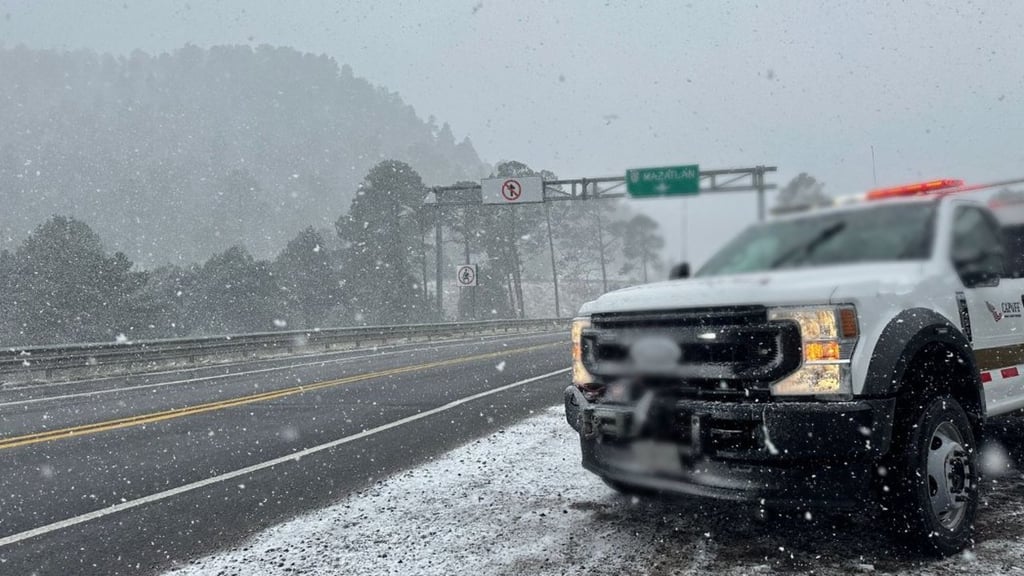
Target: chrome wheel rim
[949,478]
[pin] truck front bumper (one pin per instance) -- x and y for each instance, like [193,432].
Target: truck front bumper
[778,453]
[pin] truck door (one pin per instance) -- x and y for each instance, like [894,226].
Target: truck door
[995,301]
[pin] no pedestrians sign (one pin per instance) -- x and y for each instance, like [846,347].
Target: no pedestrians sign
[511,191]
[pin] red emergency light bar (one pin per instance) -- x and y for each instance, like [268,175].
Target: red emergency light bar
[915,189]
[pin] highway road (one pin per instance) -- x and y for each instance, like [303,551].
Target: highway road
[131,475]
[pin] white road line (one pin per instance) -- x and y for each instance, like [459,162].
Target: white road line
[232,374]
[102,512]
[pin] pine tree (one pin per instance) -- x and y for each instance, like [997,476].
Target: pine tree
[306,275]
[64,287]
[506,228]
[802,191]
[641,245]
[382,237]
[236,294]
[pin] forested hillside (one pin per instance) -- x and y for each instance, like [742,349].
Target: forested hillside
[233,145]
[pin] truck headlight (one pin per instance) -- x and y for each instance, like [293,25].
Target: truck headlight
[580,377]
[828,335]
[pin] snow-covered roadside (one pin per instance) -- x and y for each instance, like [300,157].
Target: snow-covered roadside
[518,502]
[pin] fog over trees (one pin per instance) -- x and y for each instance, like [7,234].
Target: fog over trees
[232,144]
[236,190]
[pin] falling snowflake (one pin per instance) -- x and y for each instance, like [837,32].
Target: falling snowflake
[768,441]
[290,433]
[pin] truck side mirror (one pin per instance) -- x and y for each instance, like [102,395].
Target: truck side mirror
[681,270]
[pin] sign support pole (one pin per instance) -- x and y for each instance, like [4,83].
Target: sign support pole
[551,248]
[517,272]
[759,179]
[438,258]
[472,289]
[600,242]
[685,231]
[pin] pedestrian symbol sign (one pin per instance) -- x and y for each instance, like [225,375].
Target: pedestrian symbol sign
[465,275]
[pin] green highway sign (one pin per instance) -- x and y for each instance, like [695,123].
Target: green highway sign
[667,181]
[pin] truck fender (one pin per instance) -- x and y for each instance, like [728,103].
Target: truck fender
[905,336]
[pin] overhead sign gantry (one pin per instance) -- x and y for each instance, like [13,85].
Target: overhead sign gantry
[682,180]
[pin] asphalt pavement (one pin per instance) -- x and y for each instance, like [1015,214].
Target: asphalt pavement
[133,475]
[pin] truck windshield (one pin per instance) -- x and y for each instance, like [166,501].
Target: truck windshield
[884,233]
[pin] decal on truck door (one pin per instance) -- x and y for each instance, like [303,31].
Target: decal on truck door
[996,314]
[965,316]
[1005,310]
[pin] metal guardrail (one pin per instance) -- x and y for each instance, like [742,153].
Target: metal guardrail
[42,362]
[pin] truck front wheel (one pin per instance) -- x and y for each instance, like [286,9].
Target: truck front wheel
[933,492]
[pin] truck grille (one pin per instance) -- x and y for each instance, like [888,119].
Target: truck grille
[722,351]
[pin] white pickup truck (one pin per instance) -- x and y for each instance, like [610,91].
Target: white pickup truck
[845,356]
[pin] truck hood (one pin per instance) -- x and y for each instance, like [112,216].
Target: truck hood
[777,288]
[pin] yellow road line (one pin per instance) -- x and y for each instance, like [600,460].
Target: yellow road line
[138,420]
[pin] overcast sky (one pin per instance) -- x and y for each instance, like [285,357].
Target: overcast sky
[593,88]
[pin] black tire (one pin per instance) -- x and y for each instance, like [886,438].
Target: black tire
[933,478]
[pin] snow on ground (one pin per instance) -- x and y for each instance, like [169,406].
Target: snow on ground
[518,502]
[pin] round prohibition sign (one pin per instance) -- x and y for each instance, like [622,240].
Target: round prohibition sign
[467,276]
[511,190]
